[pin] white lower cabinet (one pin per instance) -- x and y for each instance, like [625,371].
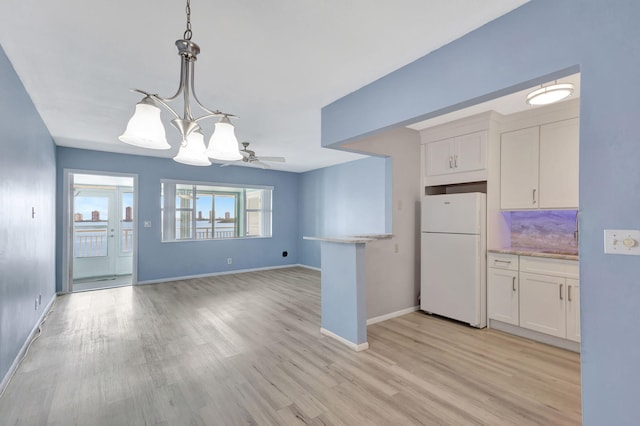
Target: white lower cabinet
[503,288]
[573,309]
[535,293]
[542,306]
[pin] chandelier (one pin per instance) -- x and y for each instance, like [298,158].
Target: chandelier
[145,128]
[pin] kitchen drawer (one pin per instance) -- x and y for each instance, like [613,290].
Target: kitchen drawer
[555,267]
[502,261]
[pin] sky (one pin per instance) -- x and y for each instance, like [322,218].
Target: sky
[85,204]
[223,204]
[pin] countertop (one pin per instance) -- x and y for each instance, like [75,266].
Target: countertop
[351,239]
[552,254]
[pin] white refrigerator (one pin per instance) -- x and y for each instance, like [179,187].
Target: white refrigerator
[453,264]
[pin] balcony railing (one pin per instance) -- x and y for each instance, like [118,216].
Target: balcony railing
[93,242]
[207,233]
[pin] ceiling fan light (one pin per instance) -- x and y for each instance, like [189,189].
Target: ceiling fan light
[223,144]
[193,152]
[549,94]
[145,129]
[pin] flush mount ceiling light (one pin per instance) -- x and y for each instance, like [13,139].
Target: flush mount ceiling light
[550,94]
[145,128]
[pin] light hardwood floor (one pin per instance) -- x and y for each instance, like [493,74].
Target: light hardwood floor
[246,349]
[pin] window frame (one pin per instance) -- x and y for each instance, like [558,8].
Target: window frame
[168,191]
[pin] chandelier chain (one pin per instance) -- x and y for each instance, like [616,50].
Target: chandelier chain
[187,33]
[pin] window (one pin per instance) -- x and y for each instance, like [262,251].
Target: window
[195,211]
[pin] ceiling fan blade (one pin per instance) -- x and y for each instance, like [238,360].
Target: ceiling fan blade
[274,159]
[245,153]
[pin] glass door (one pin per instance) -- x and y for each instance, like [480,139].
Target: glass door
[94,231]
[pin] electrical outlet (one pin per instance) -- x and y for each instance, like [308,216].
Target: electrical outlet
[229,261]
[396,248]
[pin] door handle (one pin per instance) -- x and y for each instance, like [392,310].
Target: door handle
[534,196]
[455,161]
[569,293]
[513,283]
[451,162]
[561,285]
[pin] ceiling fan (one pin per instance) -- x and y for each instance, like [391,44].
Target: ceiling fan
[249,157]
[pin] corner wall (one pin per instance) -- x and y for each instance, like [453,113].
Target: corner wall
[346,199]
[27,244]
[393,265]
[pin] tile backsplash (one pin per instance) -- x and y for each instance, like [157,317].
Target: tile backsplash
[544,229]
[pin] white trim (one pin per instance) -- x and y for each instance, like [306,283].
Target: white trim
[215,274]
[392,315]
[356,347]
[67,242]
[534,335]
[216,184]
[21,353]
[313,268]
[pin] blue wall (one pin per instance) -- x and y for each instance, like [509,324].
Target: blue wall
[27,245]
[535,43]
[346,199]
[158,261]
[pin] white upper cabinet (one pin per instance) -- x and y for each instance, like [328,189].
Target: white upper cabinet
[519,166]
[439,157]
[559,146]
[458,151]
[539,167]
[460,154]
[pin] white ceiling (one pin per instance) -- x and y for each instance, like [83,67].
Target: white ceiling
[505,105]
[274,63]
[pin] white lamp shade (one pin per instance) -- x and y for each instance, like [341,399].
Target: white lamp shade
[223,144]
[550,94]
[145,128]
[193,152]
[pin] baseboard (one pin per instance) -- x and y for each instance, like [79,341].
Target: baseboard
[356,347]
[534,335]
[215,274]
[23,349]
[313,268]
[392,315]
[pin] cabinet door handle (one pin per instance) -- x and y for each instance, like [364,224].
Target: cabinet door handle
[569,293]
[561,285]
[508,262]
[534,196]
[451,162]
[455,161]
[513,283]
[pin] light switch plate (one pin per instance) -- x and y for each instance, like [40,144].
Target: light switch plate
[622,241]
[147,224]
